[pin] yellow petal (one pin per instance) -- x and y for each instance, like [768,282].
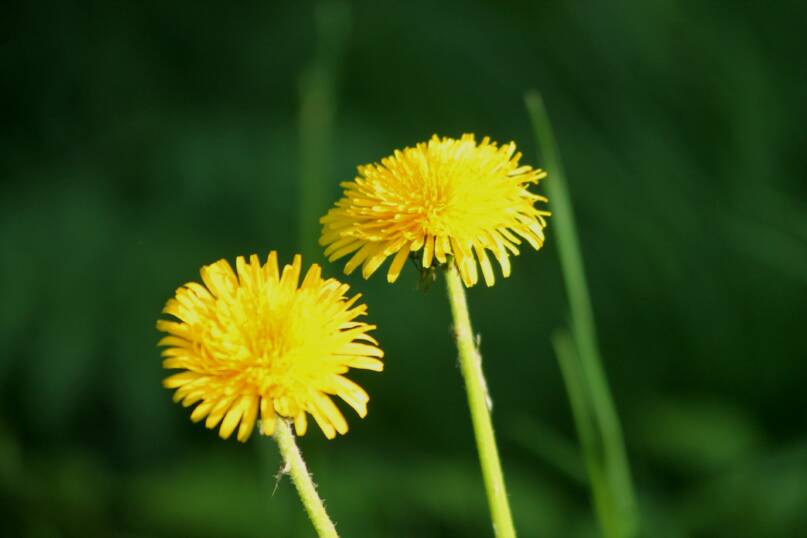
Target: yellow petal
[353,395]
[484,263]
[428,251]
[248,420]
[267,417]
[233,417]
[177,380]
[300,424]
[397,263]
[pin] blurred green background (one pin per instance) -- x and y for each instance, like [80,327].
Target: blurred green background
[142,140]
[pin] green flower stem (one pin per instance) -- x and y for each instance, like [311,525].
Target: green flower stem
[476,387]
[295,466]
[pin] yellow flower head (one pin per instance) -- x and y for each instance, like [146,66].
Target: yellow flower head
[446,197]
[257,343]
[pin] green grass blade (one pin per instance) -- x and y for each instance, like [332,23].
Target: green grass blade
[585,423]
[605,442]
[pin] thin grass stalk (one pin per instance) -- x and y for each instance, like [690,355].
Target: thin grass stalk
[584,421]
[606,444]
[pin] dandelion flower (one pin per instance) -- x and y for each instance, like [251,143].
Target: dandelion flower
[446,197]
[252,343]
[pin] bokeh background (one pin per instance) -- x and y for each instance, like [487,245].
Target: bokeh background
[142,140]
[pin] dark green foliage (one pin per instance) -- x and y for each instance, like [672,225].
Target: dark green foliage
[140,141]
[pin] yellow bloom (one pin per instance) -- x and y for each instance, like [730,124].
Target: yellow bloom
[446,197]
[256,343]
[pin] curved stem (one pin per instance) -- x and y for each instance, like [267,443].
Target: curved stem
[476,387]
[295,466]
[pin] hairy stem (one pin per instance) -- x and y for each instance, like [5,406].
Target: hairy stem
[295,466]
[478,402]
